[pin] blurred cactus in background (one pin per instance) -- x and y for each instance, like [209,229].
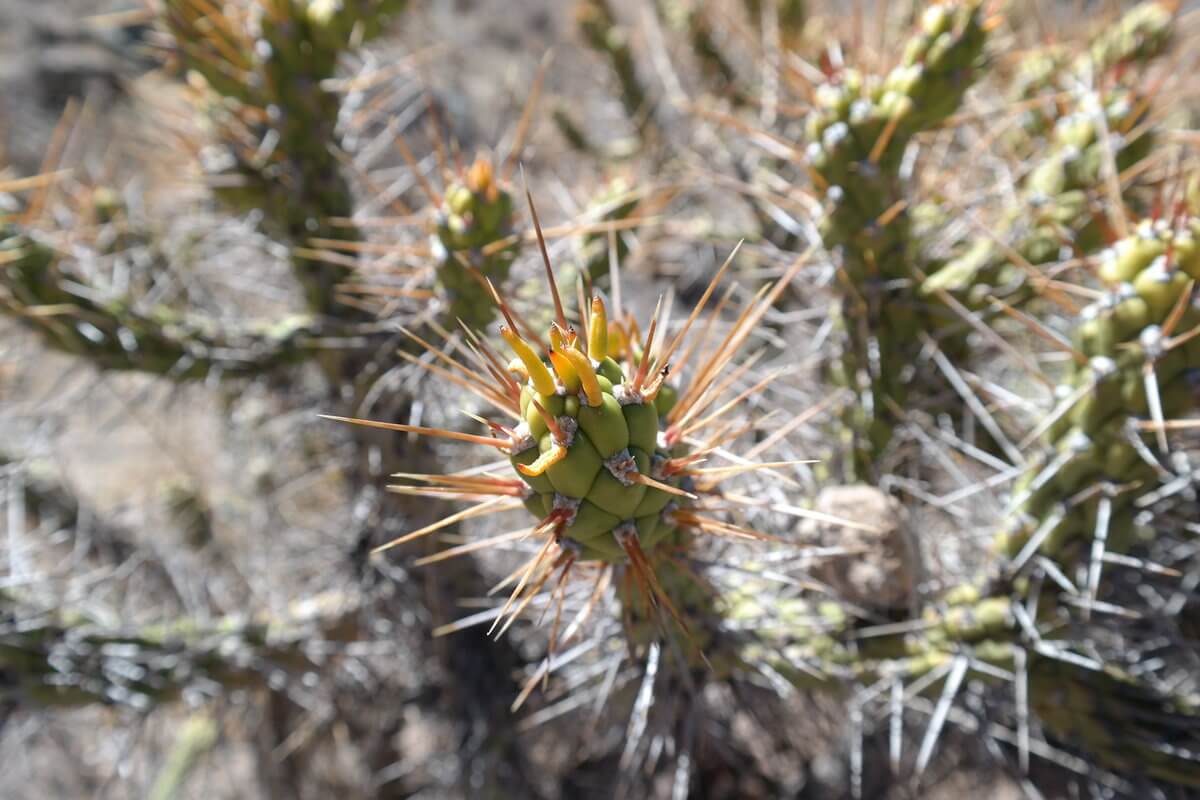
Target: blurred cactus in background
[858,134]
[1101,120]
[475,235]
[277,147]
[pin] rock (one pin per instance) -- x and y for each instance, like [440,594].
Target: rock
[884,574]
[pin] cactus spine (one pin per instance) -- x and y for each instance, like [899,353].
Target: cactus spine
[118,334]
[1104,123]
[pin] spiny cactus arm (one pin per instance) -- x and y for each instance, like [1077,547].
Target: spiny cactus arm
[274,120]
[59,658]
[858,132]
[475,241]
[1141,35]
[116,335]
[1135,363]
[303,38]
[1056,209]
[1124,723]
[860,127]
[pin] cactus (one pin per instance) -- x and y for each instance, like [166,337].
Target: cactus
[1140,36]
[858,133]
[261,67]
[598,448]
[64,659]
[118,334]
[1123,722]
[600,31]
[601,449]
[474,243]
[1057,197]
[1133,359]
[1079,504]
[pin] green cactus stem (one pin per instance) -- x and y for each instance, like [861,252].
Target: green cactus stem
[117,334]
[1135,365]
[1120,721]
[858,133]
[275,121]
[1057,201]
[474,242]
[1056,211]
[600,30]
[61,659]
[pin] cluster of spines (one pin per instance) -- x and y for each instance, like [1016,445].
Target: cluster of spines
[61,659]
[117,333]
[1140,36]
[607,454]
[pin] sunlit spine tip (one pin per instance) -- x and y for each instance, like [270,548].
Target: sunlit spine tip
[587,376]
[598,331]
[539,375]
[543,462]
[565,370]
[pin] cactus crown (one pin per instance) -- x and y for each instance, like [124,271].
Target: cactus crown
[605,452]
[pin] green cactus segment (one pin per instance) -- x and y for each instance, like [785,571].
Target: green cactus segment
[694,600]
[64,659]
[474,241]
[1056,209]
[1055,214]
[1140,367]
[581,467]
[120,334]
[1142,34]
[1120,720]
[275,123]
[858,134]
